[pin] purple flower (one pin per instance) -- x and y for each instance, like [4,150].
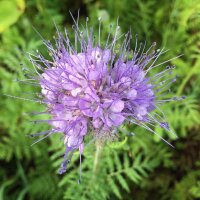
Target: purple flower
[90,87]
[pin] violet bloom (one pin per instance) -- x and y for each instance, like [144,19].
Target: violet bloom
[89,87]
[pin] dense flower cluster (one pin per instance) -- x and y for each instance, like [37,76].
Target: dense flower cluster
[96,89]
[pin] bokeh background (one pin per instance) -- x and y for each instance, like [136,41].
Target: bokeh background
[139,167]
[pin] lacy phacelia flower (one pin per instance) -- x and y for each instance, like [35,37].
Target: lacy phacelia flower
[92,88]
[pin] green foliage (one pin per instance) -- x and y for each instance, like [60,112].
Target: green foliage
[112,175]
[136,167]
[10,12]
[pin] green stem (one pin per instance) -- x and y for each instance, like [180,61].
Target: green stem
[96,158]
[95,168]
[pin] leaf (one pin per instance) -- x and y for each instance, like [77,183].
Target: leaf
[114,188]
[123,182]
[10,12]
[117,162]
[118,144]
[22,194]
[131,175]
[3,186]
[126,160]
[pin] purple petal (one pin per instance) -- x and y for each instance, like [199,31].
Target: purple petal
[117,119]
[117,106]
[131,94]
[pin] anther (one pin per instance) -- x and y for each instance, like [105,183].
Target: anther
[183,97]
[154,44]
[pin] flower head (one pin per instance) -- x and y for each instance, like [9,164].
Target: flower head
[89,87]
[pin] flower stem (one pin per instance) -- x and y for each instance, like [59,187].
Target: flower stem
[97,157]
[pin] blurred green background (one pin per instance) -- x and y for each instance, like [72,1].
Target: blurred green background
[134,168]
